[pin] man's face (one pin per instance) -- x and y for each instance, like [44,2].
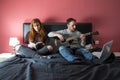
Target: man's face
[72,26]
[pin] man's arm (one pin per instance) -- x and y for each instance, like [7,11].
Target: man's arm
[58,34]
[51,34]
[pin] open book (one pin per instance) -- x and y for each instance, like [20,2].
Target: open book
[105,52]
[38,45]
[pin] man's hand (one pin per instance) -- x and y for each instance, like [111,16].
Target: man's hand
[82,37]
[61,37]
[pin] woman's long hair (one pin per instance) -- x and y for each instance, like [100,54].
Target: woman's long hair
[42,32]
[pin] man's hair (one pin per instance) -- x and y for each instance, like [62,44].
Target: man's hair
[69,20]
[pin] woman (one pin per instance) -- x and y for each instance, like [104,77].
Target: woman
[37,34]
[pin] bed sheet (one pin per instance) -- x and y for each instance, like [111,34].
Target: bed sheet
[19,68]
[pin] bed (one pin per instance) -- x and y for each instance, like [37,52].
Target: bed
[56,67]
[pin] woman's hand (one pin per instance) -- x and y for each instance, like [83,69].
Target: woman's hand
[31,45]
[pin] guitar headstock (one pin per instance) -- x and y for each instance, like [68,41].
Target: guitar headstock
[94,33]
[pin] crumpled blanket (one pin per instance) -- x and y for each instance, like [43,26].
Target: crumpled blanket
[18,68]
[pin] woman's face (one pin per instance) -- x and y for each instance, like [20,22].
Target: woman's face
[36,27]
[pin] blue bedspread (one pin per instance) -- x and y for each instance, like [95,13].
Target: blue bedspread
[18,68]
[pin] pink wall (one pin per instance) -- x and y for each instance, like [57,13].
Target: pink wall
[104,14]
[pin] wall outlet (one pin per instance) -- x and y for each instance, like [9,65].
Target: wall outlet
[97,42]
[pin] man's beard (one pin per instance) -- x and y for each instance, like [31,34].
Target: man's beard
[73,30]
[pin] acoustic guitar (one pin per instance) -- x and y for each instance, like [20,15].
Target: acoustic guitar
[68,40]
[86,34]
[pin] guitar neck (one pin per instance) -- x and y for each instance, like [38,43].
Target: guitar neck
[75,37]
[71,38]
[89,33]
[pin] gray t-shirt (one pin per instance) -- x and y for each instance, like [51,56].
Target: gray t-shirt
[66,33]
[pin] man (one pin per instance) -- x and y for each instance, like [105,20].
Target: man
[67,51]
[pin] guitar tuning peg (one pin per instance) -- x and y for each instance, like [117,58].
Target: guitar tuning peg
[97,32]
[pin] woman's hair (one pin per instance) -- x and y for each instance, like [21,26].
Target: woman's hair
[42,32]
